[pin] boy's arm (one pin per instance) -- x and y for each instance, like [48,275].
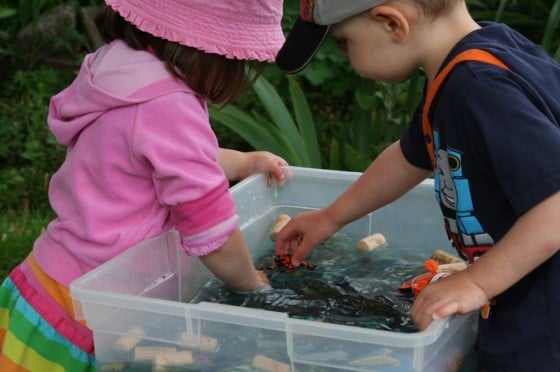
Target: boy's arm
[530,242]
[388,177]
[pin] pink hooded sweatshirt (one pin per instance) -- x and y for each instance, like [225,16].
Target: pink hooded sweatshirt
[141,159]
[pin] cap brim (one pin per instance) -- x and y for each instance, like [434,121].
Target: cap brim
[302,43]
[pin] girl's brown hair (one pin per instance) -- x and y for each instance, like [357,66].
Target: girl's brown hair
[216,78]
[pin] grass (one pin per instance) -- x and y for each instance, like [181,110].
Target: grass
[17,234]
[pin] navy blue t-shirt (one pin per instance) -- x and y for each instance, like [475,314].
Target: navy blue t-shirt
[497,143]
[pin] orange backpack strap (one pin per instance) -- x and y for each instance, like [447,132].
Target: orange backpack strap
[477,55]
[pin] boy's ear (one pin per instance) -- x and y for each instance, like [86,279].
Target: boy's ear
[394,21]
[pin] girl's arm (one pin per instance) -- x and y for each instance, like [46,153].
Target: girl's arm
[232,263]
[238,165]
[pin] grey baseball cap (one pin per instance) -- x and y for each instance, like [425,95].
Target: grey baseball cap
[311,28]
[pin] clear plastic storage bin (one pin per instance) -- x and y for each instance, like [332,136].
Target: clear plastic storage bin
[137,304]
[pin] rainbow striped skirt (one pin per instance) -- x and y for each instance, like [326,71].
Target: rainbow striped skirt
[38,330]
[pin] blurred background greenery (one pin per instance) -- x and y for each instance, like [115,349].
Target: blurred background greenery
[325,116]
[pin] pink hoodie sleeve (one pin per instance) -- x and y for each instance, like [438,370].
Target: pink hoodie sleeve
[173,134]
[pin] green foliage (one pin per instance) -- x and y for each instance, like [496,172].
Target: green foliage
[292,137]
[28,151]
[17,234]
[381,112]
[5,13]
[15,15]
[538,20]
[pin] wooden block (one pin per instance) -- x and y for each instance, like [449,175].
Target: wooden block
[149,353]
[452,267]
[116,366]
[172,359]
[202,343]
[376,360]
[279,223]
[444,258]
[371,242]
[269,364]
[126,343]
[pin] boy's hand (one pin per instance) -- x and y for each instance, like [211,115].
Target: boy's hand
[304,231]
[456,293]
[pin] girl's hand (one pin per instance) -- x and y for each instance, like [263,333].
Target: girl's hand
[266,162]
[233,264]
[263,284]
[239,165]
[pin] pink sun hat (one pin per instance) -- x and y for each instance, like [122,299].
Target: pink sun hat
[235,29]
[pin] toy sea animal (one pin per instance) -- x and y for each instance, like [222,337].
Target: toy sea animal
[353,302]
[418,283]
[284,262]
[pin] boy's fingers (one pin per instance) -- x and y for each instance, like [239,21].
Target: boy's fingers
[424,315]
[300,250]
[446,310]
[281,247]
[285,242]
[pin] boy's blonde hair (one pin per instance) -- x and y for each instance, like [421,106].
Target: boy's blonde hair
[435,8]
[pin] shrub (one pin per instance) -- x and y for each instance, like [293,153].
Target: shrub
[29,153]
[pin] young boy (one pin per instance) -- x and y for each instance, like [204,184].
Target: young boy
[488,126]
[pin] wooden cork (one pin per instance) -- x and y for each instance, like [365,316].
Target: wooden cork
[126,343]
[371,242]
[116,366]
[142,353]
[163,361]
[202,343]
[443,257]
[279,223]
[452,267]
[269,364]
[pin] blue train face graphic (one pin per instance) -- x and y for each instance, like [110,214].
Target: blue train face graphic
[454,196]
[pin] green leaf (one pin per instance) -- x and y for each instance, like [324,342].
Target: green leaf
[258,134]
[551,26]
[334,155]
[7,12]
[306,124]
[289,152]
[278,112]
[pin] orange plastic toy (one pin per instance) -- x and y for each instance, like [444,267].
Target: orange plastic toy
[418,283]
